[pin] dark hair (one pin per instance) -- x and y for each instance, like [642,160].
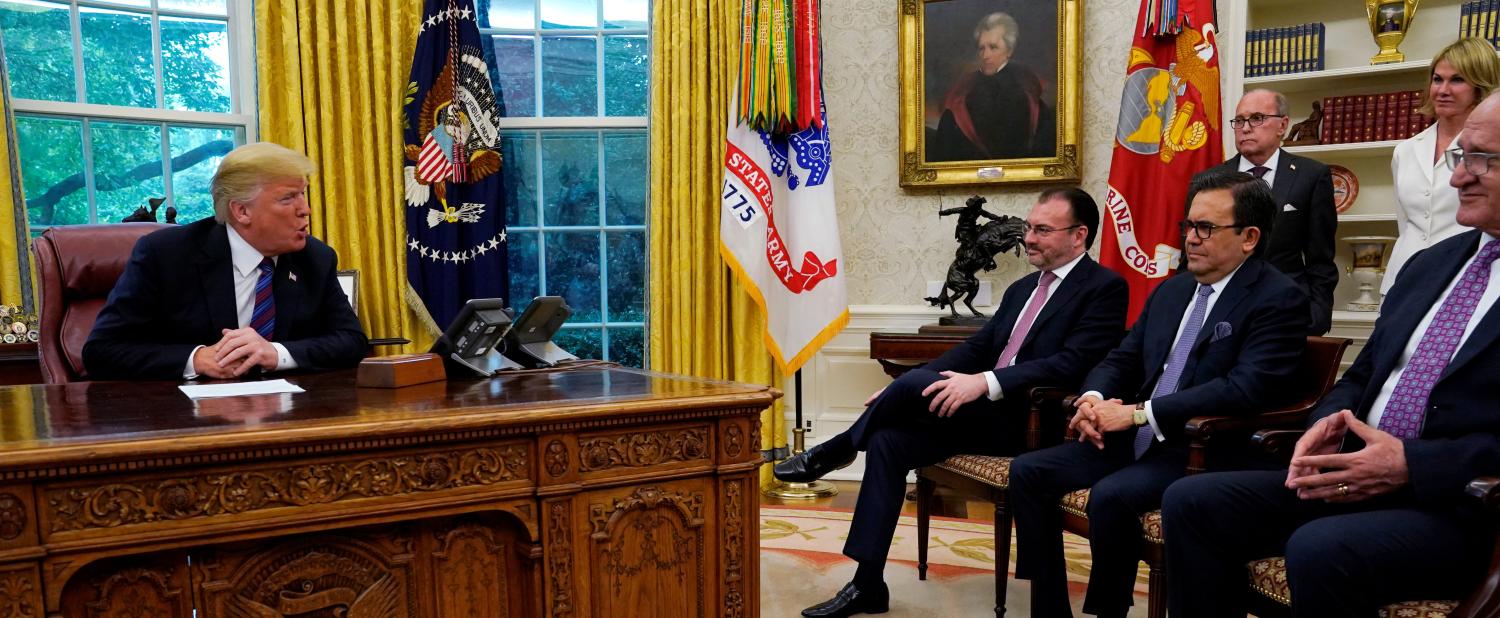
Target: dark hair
[1085,211]
[1254,206]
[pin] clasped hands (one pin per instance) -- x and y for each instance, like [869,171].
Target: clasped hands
[1096,417]
[1319,472]
[237,352]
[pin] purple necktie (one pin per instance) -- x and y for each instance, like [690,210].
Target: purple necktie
[1260,171]
[1024,324]
[1180,351]
[1408,404]
[263,317]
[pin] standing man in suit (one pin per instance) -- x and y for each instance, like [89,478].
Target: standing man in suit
[1051,327]
[1302,246]
[1215,339]
[250,288]
[1372,509]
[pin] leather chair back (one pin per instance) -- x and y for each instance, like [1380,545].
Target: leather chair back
[78,266]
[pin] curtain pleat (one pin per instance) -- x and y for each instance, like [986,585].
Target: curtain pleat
[702,322]
[14,239]
[332,78]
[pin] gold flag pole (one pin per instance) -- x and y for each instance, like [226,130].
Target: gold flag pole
[799,491]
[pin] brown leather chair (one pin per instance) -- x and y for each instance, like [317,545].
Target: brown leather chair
[78,265]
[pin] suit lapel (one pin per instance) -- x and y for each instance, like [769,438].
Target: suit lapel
[216,271]
[1174,301]
[1489,324]
[1286,176]
[287,290]
[1062,295]
[1229,299]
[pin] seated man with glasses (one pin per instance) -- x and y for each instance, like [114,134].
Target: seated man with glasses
[1218,339]
[1052,326]
[1306,220]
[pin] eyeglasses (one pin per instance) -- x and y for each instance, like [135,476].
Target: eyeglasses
[1253,120]
[1204,229]
[1477,163]
[1043,230]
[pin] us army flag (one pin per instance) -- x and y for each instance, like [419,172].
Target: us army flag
[779,234]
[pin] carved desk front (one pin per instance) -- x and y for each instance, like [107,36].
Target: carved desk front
[596,492]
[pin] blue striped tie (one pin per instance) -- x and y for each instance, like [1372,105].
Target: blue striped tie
[263,318]
[1169,376]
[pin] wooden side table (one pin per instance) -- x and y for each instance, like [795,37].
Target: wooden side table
[899,353]
[19,364]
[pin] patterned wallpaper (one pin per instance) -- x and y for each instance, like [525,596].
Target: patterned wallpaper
[893,239]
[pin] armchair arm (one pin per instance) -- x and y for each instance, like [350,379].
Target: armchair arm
[1201,430]
[1485,600]
[1278,442]
[1049,401]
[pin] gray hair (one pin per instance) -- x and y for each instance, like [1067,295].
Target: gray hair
[1001,21]
[1281,105]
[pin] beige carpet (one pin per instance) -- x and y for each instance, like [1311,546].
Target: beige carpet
[801,564]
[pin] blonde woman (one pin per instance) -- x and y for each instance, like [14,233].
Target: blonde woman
[1460,77]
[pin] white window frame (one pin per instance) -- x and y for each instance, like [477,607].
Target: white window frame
[242,90]
[600,125]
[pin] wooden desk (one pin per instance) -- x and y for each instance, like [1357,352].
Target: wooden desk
[19,364]
[597,492]
[898,353]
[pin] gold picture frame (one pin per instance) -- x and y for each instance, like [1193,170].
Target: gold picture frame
[950,135]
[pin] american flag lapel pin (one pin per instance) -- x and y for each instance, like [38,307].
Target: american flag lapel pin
[291,275]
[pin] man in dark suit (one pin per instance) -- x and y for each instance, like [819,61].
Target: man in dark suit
[1051,327]
[997,111]
[1214,339]
[250,288]
[1372,509]
[1302,246]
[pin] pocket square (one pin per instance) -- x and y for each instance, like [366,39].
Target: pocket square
[1221,330]
[1288,208]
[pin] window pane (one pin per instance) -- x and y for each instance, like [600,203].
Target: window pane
[573,272]
[195,64]
[519,152]
[581,342]
[524,282]
[625,156]
[626,14]
[625,69]
[127,168]
[627,346]
[196,153]
[625,253]
[51,151]
[215,7]
[38,50]
[512,61]
[570,76]
[117,55]
[516,14]
[571,181]
[570,14]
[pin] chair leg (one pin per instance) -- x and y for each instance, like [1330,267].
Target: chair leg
[1002,556]
[1156,591]
[925,488]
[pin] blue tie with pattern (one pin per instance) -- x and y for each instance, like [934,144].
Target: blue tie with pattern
[1169,376]
[263,318]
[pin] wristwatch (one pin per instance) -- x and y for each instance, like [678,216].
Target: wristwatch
[1139,416]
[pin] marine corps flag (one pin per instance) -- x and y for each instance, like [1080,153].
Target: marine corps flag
[455,216]
[1168,131]
[779,234]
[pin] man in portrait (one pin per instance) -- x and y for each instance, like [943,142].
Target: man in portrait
[996,111]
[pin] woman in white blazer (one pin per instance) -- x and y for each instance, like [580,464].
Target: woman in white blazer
[1426,205]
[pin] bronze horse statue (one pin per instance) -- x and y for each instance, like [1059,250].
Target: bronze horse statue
[1000,234]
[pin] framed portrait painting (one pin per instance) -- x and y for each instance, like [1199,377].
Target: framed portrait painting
[990,91]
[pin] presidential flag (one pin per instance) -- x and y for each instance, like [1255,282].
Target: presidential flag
[1168,131]
[779,234]
[455,214]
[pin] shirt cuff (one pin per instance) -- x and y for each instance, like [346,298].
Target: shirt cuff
[1151,420]
[989,378]
[1094,393]
[188,372]
[284,360]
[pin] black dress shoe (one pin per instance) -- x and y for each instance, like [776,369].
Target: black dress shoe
[850,601]
[812,464]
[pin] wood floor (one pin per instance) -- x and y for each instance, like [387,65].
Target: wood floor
[945,504]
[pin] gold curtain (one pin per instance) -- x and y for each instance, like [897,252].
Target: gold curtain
[702,322]
[332,78]
[12,240]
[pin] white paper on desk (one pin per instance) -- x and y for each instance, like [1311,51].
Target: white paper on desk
[232,389]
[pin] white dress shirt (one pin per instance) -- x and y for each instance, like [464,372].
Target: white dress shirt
[1486,302]
[1426,205]
[1061,272]
[1270,164]
[245,269]
[1187,312]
